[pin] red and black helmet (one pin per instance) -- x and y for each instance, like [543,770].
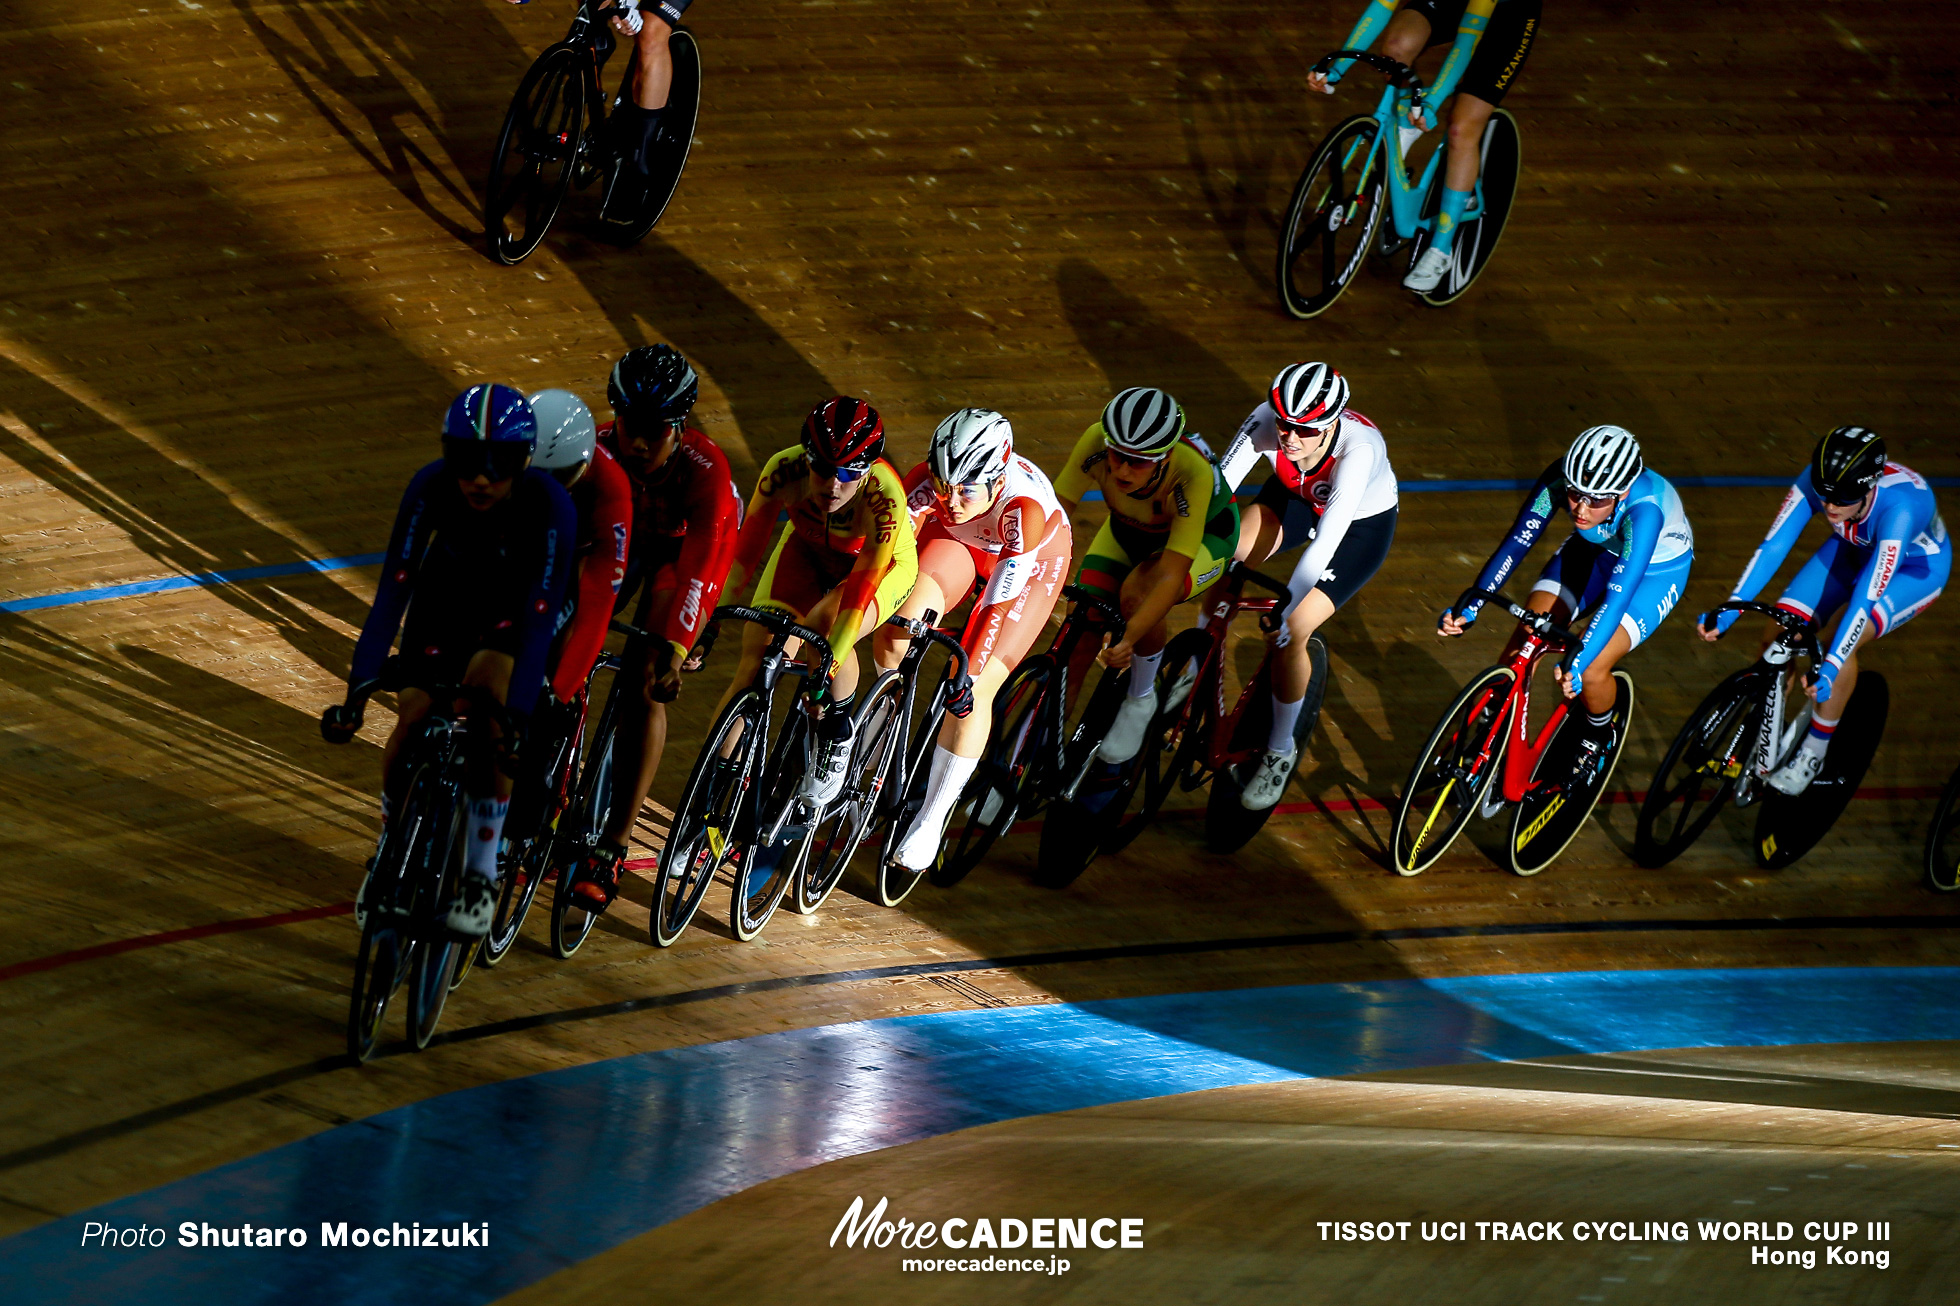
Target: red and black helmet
[843,432]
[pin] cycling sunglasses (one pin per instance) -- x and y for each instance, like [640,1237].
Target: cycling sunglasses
[652,427]
[1136,460]
[1839,499]
[1575,498]
[832,472]
[491,460]
[1304,430]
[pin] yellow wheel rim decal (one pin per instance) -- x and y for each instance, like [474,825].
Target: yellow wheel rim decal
[1434,812]
[1531,831]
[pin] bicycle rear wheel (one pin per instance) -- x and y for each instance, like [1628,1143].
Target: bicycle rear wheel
[1073,832]
[991,802]
[573,914]
[705,819]
[1699,771]
[1336,206]
[1943,840]
[1788,827]
[667,156]
[879,728]
[1476,238]
[536,153]
[1229,824]
[1178,738]
[1550,815]
[1463,754]
[763,871]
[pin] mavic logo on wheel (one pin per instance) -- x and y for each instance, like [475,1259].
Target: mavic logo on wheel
[1531,831]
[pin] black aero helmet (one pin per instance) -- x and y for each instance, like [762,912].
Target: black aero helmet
[1846,464]
[653,383]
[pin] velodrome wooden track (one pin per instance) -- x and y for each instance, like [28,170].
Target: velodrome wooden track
[245,276]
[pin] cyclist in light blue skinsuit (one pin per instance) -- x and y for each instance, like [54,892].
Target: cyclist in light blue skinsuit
[1628,557]
[1886,560]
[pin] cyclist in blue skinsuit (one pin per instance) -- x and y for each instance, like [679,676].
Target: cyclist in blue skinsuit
[1886,560]
[478,561]
[1628,556]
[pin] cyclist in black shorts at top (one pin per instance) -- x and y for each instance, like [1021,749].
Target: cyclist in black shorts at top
[1489,41]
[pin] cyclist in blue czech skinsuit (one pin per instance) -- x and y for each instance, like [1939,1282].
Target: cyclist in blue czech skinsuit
[1628,557]
[1885,561]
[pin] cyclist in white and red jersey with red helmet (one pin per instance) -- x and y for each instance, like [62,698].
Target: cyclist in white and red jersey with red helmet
[1333,490]
[686,516]
[986,517]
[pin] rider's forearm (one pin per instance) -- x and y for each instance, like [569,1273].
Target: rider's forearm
[1374,19]
[1788,524]
[1476,17]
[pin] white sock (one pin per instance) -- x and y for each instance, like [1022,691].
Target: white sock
[1143,672]
[1285,717]
[486,827]
[944,784]
[1815,744]
[1204,618]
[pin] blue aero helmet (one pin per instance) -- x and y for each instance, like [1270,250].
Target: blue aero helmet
[490,433]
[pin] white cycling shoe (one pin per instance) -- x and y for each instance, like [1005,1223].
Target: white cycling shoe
[821,786]
[1427,272]
[1269,781]
[1795,775]
[476,903]
[1125,738]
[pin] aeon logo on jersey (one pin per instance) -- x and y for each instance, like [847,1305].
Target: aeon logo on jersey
[691,605]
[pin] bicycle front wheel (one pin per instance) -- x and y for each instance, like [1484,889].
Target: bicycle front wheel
[771,849]
[573,914]
[536,153]
[1459,761]
[704,821]
[1336,207]
[378,972]
[1698,773]
[1943,840]
[878,729]
[990,804]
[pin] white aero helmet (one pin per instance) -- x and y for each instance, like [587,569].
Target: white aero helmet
[566,435]
[1603,460]
[970,447]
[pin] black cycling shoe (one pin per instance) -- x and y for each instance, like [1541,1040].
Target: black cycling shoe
[1593,755]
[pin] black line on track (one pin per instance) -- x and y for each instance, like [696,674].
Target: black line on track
[1070,956]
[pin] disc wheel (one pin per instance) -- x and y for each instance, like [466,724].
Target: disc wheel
[1335,208]
[877,729]
[1550,815]
[1699,772]
[1229,825]
[1787,827]
[1008,773]
[536,154]
[1073,832]
[1463,755]
[1943,840]
[704,822]
[667,156]
[1476,237]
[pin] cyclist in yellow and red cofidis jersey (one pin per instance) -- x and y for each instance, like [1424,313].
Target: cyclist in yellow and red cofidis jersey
[846,562]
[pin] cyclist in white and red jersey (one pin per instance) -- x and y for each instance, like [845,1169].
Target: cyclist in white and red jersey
[986,517]
[1331,489]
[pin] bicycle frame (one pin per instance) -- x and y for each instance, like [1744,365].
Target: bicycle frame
[1774,740]
[1512,729]
[1391,145]
[1227,601]
[776,663]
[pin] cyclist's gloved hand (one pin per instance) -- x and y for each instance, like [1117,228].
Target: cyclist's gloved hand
[1275,625]
[626,20]
[960,701]
[1823,680]
[1723,620]
[339,723]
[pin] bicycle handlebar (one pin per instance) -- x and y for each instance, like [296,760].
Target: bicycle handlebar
[1102,607]
[1792,623]
[924,629]
[1399,74]
[1278,589]
[1541,623]
[782,624]
[340,721]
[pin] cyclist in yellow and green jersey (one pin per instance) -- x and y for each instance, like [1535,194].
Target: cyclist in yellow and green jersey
[1172,528]
[1489,41]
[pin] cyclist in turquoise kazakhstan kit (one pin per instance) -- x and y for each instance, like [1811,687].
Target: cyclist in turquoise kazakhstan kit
[1628,556]
[1886,559]
[1492,39]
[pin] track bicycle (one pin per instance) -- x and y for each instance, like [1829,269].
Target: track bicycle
[1943,839]
[739,808]
[553,139]
[1485,738]
[1747,727]
[1026,756]
[886,784]
[1335,218]
[1202,739]
[418,862]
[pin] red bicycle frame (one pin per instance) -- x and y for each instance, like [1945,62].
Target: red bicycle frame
[1511,732]
[1226,602]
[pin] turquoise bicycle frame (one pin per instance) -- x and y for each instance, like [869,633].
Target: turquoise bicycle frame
[1404,200]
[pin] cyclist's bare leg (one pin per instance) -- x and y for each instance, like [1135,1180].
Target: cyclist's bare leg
[1847,680]
[1597,690]
[1293,665]
[888,646]
[967,737]
[641,740]
[1538,601]
[1155,583]
[755,642]
[1468,117]
[492,671]
[653,70]
[1259,534]
[1406,36]
[844,673]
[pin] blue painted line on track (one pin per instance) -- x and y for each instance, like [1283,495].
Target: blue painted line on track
[167,584]
[566,1164]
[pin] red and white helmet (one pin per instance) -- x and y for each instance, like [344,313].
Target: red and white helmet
[1309,394]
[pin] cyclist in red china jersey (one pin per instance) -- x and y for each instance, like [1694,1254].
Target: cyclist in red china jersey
[686,517]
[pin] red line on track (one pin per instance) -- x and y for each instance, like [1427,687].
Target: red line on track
[1895,793]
